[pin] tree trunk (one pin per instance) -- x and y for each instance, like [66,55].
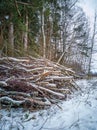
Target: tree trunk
[11,37]
[92,44]
[26,33]
[43,33]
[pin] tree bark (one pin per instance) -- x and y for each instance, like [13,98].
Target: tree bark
[92,44]
[43,33]
[11,35]
[26,33]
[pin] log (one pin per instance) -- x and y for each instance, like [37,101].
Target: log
[33,70]
[18,93]
[60,77]
[4,67]
[14,59]
[49,91]
[6,99]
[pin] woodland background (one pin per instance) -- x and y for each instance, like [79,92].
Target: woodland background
[55,29]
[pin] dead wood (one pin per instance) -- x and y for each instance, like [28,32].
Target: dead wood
[6,99]
[30,81]
[14,59]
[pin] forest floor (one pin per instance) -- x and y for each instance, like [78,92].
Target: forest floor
[42,95]
[77,113]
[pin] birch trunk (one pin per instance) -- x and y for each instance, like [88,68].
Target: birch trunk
[26,33]
[92,44]
[43,33]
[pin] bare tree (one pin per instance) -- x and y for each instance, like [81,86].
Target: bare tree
[92,43]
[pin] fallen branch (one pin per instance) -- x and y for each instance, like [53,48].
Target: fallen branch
[13,59]
[60,77]
[9,100]
[50,91]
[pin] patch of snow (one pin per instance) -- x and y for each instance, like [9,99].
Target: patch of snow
[94,60]
[77,113]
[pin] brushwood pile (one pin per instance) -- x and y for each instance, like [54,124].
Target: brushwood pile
[34,83]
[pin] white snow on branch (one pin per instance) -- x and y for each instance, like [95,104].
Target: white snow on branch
[14,102]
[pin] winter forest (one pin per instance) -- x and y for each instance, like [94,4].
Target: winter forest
[55,29]
[46,50]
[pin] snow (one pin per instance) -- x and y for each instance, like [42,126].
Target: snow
[94,63]
[77,113]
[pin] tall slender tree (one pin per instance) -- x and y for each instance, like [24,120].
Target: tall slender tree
[92,43]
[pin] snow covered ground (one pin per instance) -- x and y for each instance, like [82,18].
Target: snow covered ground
[94,63]
[77,113]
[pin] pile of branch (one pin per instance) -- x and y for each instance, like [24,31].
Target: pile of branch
[34,83]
